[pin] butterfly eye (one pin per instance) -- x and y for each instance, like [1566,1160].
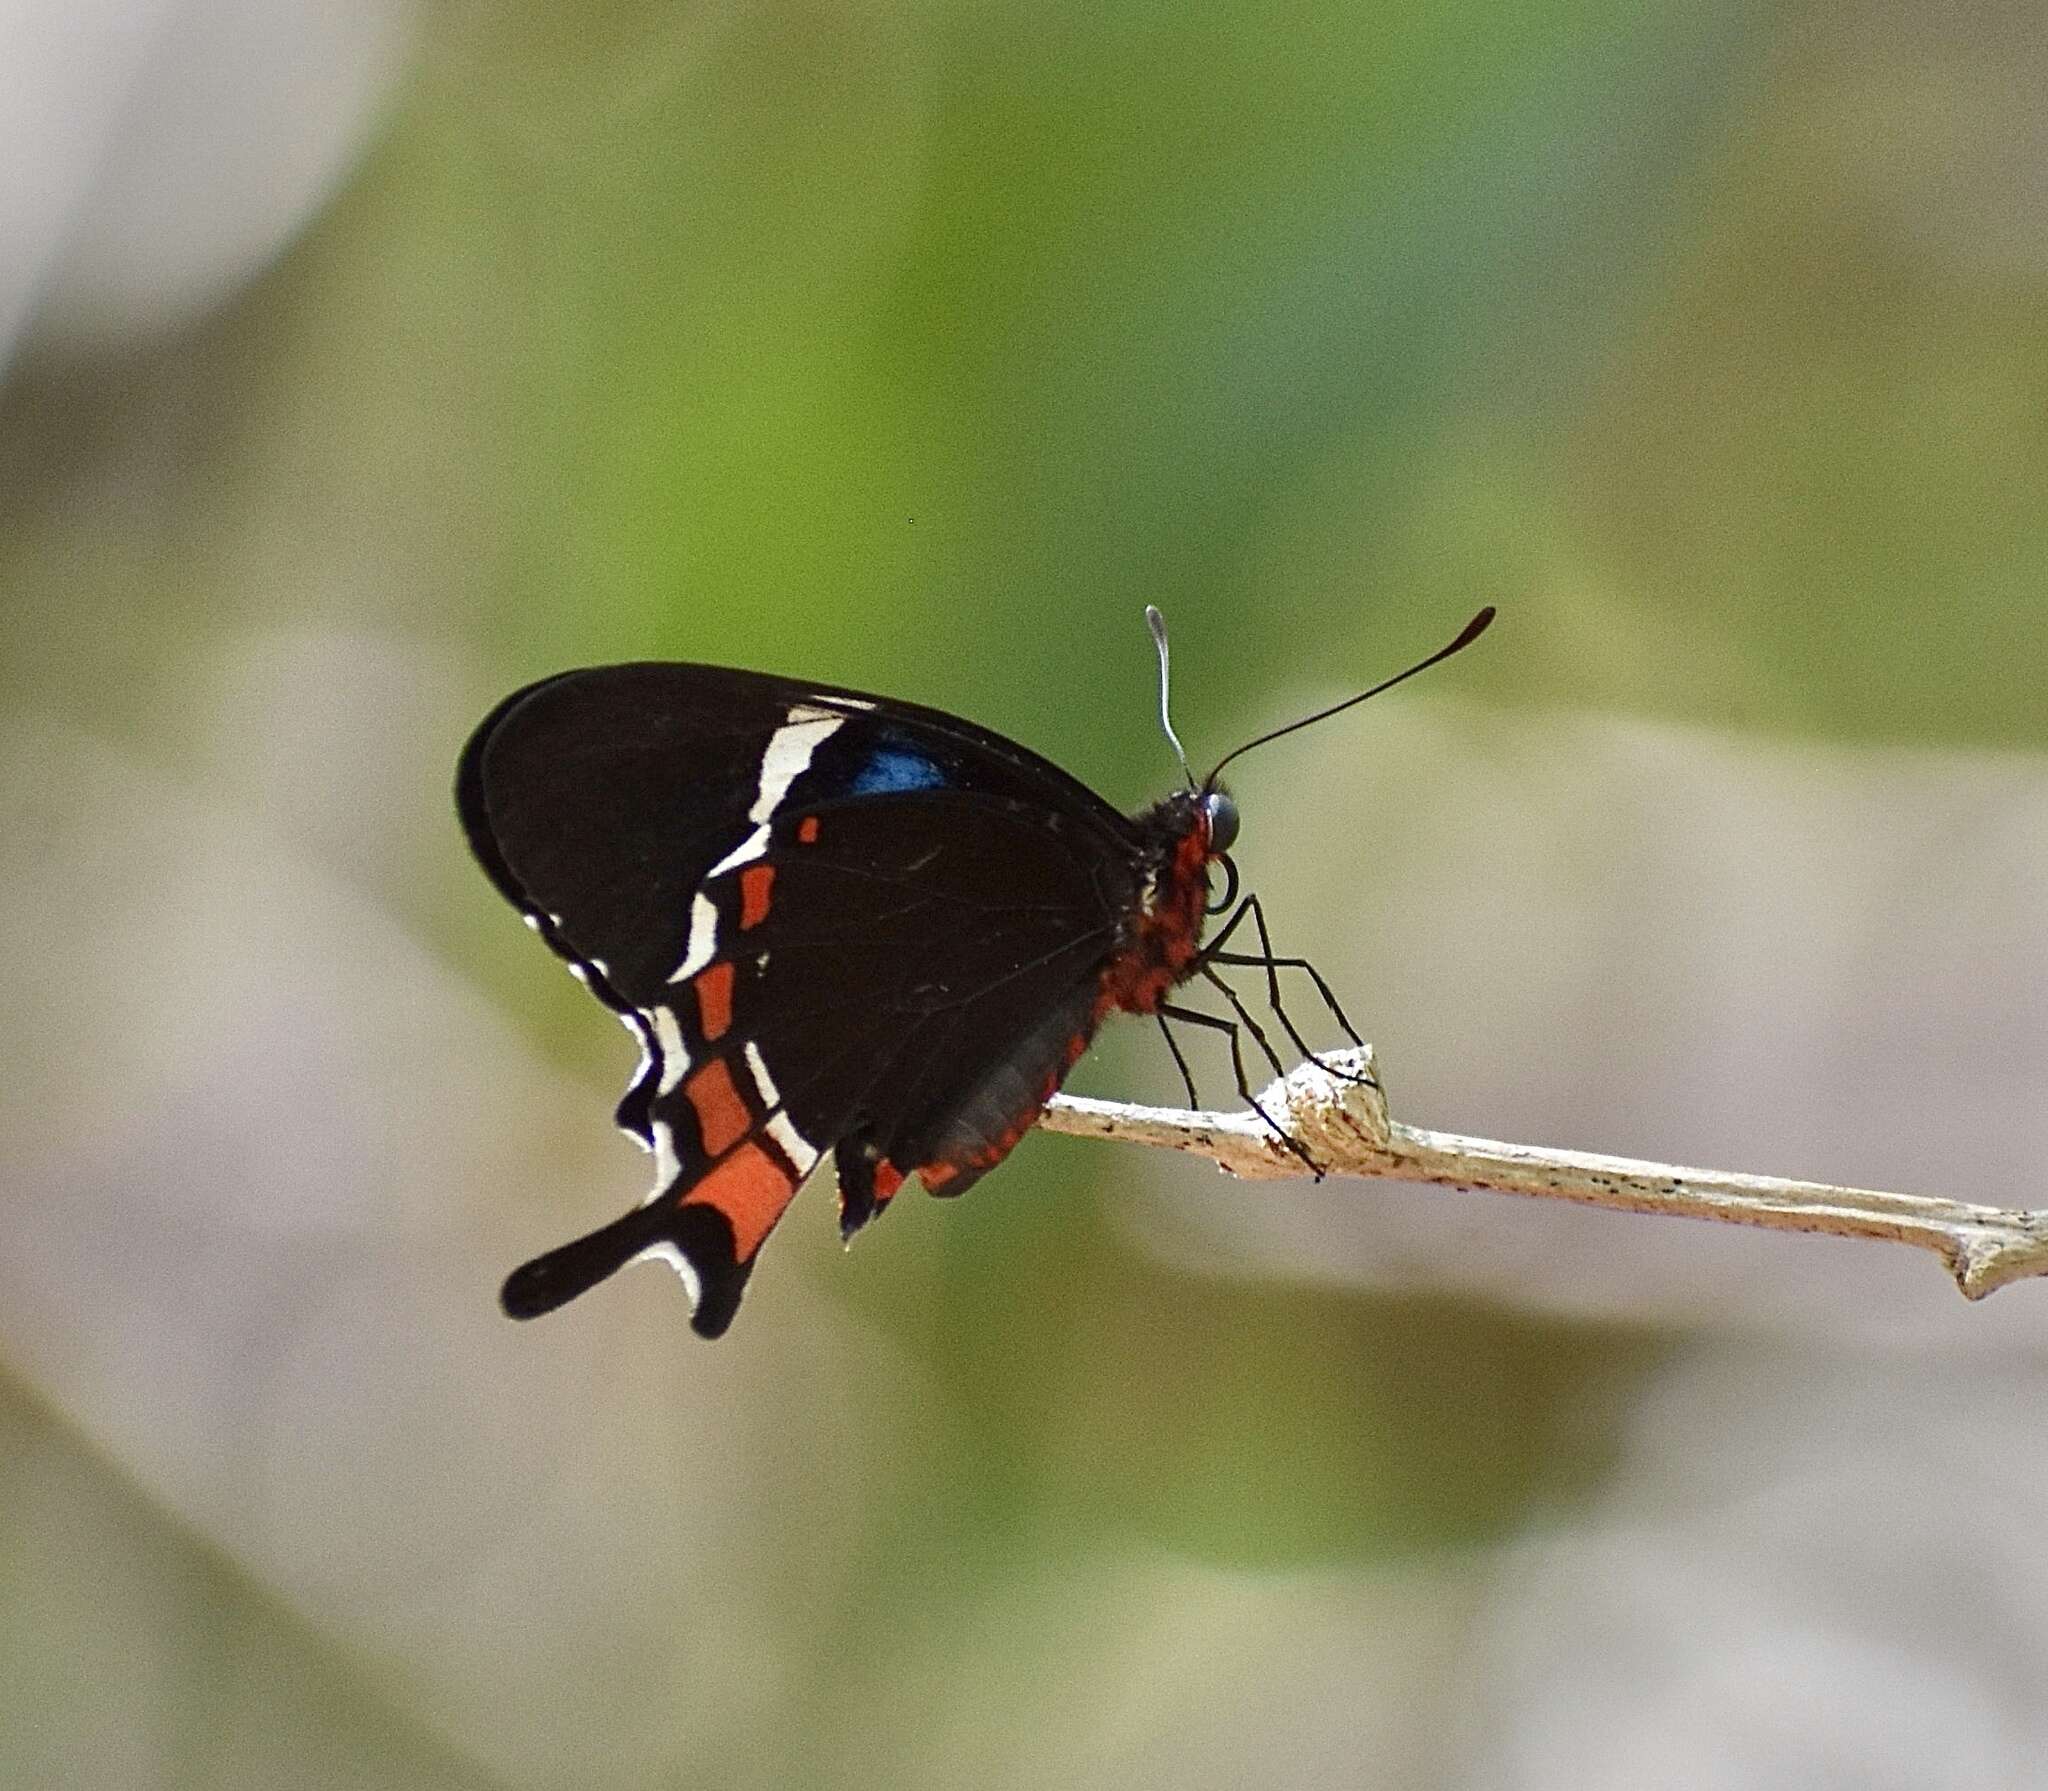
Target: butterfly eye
[1222,814]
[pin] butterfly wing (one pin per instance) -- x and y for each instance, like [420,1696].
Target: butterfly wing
[834,923]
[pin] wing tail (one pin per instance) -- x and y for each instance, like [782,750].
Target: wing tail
[694,1239]
[708,1232]
[576,1267]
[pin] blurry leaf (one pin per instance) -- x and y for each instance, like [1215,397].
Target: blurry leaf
[133,1654]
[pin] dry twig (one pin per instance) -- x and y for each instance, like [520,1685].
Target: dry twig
[1345,1126]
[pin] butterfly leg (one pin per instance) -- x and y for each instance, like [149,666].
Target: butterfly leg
[1267,960]
[1244,1019]
[1244,1015]
[1179,1062]
[1230,1029]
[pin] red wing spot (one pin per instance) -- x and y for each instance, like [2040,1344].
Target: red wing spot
[807,830]
[751,1191]
[722,1117]
[937,1175]
[755,883]
[888,1178]
[714,999]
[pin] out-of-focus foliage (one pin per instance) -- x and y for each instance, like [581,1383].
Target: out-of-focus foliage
[917,347]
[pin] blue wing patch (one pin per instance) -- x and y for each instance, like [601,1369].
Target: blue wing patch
[894,770]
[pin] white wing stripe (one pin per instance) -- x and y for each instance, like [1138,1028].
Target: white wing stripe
[745,852]
[675,1056]
[664,1251]
[799,1149]
[771,1096]
[804,729]
[703,938]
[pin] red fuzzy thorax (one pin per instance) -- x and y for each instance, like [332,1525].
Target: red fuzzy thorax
[1166,934]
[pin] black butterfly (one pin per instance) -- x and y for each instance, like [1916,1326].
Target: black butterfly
[835,922]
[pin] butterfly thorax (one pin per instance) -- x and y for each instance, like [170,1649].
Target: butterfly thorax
[1163,937]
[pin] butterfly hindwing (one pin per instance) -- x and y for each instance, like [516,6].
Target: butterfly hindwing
[834,923]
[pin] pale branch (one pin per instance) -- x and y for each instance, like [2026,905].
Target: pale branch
[1338,1112]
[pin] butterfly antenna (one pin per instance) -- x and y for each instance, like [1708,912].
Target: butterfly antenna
[1157,623]
[1466,636]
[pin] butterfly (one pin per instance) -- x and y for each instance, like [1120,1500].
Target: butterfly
[837,923]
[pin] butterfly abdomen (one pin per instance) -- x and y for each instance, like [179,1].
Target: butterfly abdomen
[988,1125]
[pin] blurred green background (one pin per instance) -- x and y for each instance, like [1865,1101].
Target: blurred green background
[915,346]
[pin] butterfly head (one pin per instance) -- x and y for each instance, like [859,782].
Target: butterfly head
[1188,836]
[1211,830]
[1219,813]
[1216,812]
